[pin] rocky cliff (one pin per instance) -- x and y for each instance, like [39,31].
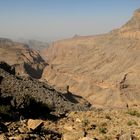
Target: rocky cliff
[25,60]
[105,69]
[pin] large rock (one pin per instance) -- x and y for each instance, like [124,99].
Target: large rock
[34,124]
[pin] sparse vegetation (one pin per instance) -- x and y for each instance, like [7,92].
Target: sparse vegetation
[133,113]
[108,117]
[85,122]
[107,138]
[103,124]
[102,130]
[132,122]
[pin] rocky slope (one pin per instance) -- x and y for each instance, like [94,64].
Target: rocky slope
[104,69]
[25,60]
[31,110]
[25,101]
[100,124]
[29,97]
[38,112]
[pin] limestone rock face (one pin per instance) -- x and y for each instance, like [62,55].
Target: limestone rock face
[104,69]
[25,60]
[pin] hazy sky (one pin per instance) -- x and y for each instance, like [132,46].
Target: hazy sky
[55,19]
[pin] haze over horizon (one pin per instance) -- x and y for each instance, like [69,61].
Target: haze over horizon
[52,19]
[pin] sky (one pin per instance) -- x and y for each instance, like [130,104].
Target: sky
[49,20]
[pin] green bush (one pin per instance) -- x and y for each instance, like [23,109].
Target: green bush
[132,122]
[102,130]
[85,122]
[133,113]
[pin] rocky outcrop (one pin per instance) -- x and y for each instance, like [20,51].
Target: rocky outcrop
[104,69]
[22,96]
[25,60]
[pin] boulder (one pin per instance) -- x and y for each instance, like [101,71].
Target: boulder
[34,124]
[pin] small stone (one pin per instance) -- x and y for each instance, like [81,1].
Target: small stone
[25,136]
[71,114]
[38,138]
[75,135]
[78,120]
[34,124]
[8,123]
[22,130]
[16,138]
[126,137]
[68,127]
[86,138]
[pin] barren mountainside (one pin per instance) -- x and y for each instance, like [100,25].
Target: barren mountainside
[25,60]
[105,69]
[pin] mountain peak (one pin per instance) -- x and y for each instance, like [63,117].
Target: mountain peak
[132,28]
[137,12]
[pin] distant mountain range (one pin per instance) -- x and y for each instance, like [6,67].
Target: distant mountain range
[35,44]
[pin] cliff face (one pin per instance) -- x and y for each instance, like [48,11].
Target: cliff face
[104,69]
[25,60]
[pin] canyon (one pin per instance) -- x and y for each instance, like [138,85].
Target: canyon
[104,69]
[82,88]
